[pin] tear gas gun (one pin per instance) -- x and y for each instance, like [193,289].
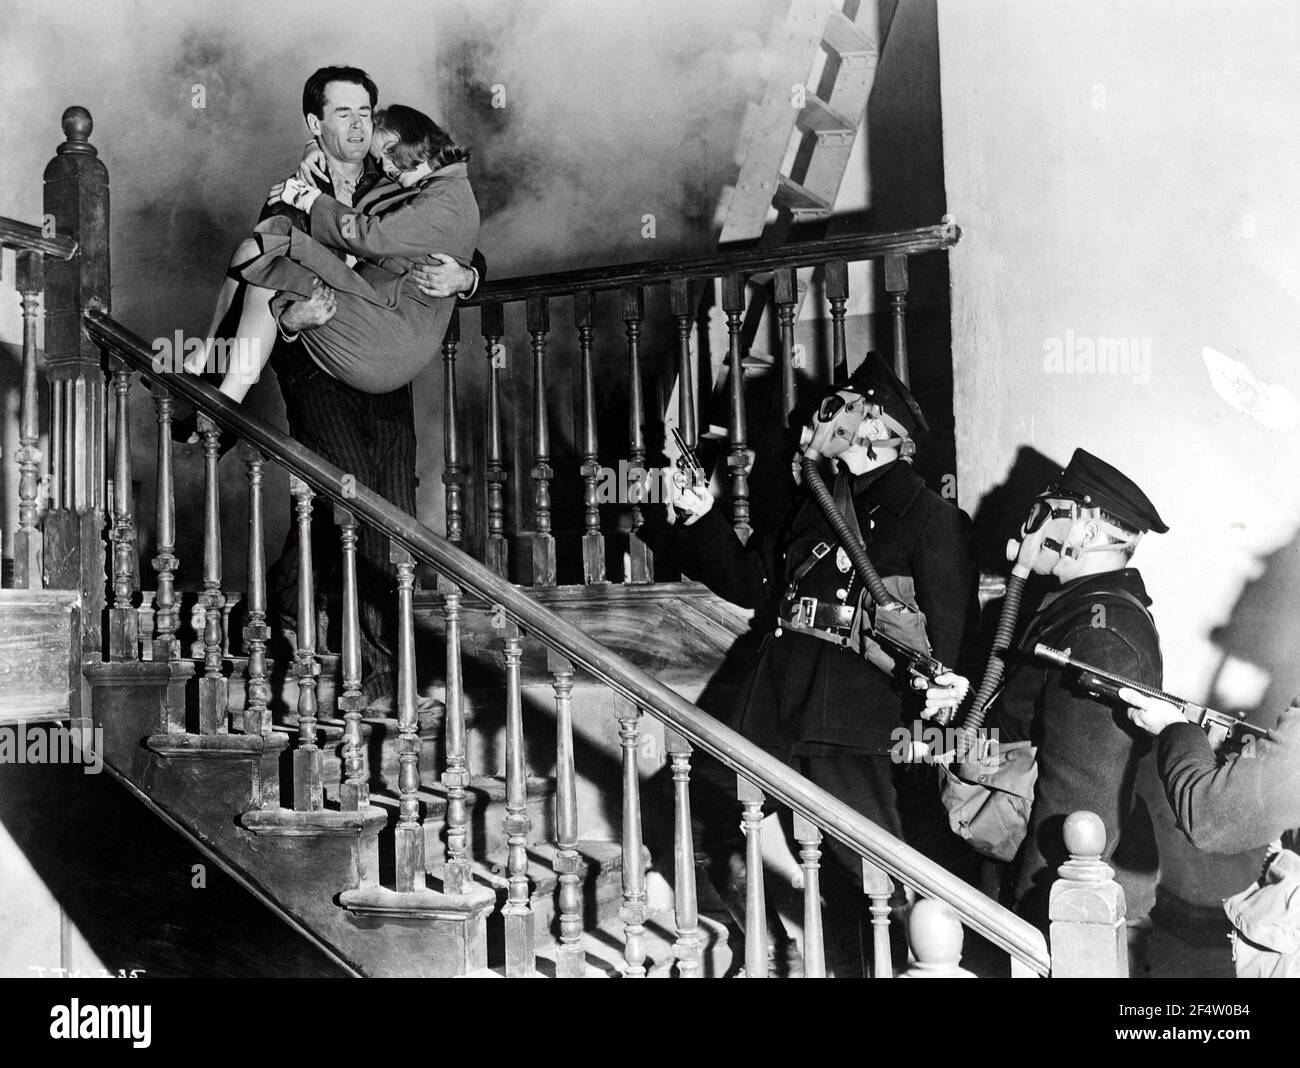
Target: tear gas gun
[1220,727]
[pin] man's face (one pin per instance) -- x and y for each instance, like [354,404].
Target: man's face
[344,127]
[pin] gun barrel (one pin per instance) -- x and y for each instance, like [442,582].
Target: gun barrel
[1046,652]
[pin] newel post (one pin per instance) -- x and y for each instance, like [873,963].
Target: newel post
[1088,933]
[76,206]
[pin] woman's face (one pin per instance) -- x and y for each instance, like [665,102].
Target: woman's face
[380,143]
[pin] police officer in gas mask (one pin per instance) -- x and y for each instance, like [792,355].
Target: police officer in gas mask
[819,695]
[1078,537]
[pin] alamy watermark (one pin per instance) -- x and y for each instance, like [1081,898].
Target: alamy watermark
[926,742]
[53,743]
[626,484]
[1073,355]
[179,354]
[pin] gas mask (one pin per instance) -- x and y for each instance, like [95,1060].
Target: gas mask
[1071,547]
[846,419]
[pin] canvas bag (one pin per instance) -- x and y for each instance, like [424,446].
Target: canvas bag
[988,798]
[1265,921]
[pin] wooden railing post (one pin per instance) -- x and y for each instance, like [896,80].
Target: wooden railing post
[740,457]
[354,792]
[124,620]
[539,325]
[593,541]
[517,912]
[896,287]
[570,962]
[633,911]
[1089,933]
[456,877]
[213,686]
[641,559]
[935,934]
[166,646]
[682,299]
[409,833]
[76,204]
[836,279]
[751,800]
[308,790]
[809,837]
[879,889]
[689,946]
[492,326]
[785,284]
[257,710]
[30,282]
[452,479]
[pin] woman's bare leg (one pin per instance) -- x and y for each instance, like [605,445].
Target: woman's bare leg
[252,344]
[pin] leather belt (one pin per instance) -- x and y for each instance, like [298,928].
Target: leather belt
[808,613]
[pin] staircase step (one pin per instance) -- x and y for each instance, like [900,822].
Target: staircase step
[817,116]
[846,38]
[603,948]
[798,198]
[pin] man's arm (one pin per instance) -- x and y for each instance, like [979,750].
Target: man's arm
[445,277]
[946,587]
[1247,801]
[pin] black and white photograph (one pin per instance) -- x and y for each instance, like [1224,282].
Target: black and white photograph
[661,489]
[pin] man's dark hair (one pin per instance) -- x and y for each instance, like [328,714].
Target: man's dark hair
[419,138]
[313,93]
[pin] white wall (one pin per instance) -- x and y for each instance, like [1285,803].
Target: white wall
[1130,170]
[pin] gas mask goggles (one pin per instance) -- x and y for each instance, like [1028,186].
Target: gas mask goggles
[846,419]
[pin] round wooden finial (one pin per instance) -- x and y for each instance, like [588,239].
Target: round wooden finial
[934,931]
[77,127]
[1085,834]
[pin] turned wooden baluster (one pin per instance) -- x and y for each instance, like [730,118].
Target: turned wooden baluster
[682,299]
[570,962]
[879,889]
[786,293]
[751,819]
[257,711]
[642,560]
[456,877]
[896,287]
[836,279]
[593,541]
[354,792]
[689,945]
[633,911]
[123,619]
[213,686]
[518,909]
[28,545]
[452,479]
[166,646]
[492,324]
[809,837]
[409,834]
[539,325]
[308,791]
[740,457]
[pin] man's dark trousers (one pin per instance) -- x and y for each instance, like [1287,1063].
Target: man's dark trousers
[370,436]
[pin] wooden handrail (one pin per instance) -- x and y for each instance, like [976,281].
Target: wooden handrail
[742,261]
[20,235]
[1020,939]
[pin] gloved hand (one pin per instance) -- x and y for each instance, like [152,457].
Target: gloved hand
[945,696]
[1150,713]
[691,501]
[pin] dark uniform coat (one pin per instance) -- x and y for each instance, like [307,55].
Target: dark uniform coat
[1248,801]
[806,696]
[1087,750]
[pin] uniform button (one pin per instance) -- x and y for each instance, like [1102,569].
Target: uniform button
[871,524]
[777,632]
[842,593]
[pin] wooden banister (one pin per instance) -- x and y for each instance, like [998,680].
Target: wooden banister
[765,772]
[745,261]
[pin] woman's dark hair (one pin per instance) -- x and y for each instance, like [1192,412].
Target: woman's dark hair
[419,138]
[313,93]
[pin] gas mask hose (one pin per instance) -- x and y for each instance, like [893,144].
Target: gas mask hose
[851,545]
[996,666]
